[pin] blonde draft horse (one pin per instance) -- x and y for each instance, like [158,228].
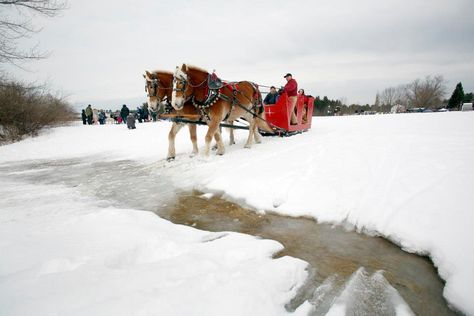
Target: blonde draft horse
[159,84]
[235,100]
[159,94]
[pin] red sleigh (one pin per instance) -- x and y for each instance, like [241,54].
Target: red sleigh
[278,115]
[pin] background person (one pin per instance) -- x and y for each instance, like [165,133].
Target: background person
[84,117]
[89,114]
[124,112]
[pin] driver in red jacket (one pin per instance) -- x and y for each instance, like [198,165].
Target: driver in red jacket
[291,89]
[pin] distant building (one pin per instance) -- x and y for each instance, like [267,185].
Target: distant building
[467,107]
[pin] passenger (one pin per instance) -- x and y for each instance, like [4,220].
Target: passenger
[305,104]
[301,94]
[291,88]
[271,97]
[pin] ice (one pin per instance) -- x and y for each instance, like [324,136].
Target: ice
[367,294]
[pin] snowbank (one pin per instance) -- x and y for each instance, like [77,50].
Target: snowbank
[407,177]
[64,255]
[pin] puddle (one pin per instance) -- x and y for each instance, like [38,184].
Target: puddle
[343,264]
[334,253]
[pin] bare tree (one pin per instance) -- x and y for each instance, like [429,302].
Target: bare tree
[427,93]
[16,24]
[388,96]
[343,100]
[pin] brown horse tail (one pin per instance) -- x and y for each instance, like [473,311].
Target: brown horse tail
[262,123]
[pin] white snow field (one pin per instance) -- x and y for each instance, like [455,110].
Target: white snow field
[408,177]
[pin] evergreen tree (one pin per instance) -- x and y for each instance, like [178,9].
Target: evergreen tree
[468,97]
[457,97]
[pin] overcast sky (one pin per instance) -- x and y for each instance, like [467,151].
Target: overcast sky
[335,48]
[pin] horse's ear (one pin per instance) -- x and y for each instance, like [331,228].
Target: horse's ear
[185,67]
[148,75]
[144,76]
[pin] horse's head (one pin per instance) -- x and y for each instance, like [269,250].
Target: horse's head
[182,90]
[157,86]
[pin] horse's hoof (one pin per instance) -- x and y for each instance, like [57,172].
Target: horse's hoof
[170,159]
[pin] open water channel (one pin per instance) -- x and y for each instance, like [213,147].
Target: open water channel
[339,259]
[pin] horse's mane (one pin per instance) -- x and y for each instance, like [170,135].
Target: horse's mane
[166,72]
[196,68]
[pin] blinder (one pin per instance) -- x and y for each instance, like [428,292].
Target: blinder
[184,82]
[154,87]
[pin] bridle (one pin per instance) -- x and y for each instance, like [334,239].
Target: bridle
[184,82]
[153,90]
[154,86]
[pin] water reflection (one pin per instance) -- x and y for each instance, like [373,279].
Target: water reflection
[334,253]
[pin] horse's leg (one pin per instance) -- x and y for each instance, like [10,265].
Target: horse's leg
[214,147]
[193,135]
[231,134]
[219,143]
[171,137]
[257,137]
[252,127]
[213,128]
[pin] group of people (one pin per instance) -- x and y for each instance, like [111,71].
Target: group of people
[92,116]
[291,89]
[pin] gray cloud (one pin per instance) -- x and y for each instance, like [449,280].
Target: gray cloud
[335,48]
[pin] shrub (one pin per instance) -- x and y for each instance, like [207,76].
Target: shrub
[26,109]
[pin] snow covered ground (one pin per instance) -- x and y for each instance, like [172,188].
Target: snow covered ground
[65,254]
[407,177]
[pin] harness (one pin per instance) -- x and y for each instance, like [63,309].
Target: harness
[213,93]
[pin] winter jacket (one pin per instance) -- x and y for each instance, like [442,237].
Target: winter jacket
[291,88]
[89,111]
[124,112]
[271,98]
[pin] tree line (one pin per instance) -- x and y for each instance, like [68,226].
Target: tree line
[428,93]
[423,93]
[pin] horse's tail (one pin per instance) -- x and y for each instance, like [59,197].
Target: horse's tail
[260,110]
